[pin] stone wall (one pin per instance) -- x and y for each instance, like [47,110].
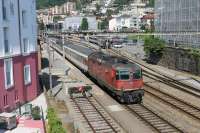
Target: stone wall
[179,59]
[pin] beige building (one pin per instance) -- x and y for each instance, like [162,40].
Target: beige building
[64,9]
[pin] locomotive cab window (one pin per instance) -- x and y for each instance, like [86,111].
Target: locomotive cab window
[137,74]
[123,75]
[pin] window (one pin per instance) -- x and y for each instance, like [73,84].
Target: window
[6,43]
[4,10]
[24,18]
[8,72]
[12,10]
[27,74]
[137,74]
[5,100]
[122,75]
[25,45]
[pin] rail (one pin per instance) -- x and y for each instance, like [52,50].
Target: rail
[94,117]
[158,123]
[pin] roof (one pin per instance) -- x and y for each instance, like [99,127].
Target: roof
[4,114]
[148,16]
[113,61]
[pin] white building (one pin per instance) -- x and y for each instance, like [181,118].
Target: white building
[18,53]
[124,21]
[73,23]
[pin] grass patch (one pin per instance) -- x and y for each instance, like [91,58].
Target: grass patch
[54,123]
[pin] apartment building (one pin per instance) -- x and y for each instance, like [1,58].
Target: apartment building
[178,16]
[124,21]
[18,53]
[73,23]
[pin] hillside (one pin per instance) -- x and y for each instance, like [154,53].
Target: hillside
[41,4]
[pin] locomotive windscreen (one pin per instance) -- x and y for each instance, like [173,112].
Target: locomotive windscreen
[122,75]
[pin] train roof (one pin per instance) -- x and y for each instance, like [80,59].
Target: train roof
[81,49]
[84,50]
[114,61]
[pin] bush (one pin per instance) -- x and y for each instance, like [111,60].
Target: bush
[36,113]
[153,48]
[55,125]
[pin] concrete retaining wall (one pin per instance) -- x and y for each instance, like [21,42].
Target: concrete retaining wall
[179,59]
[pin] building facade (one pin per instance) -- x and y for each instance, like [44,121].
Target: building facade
[73,23]
[18,53]
[178,16]
[124,21]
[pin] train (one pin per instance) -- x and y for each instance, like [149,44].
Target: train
[100,41]
[122,79]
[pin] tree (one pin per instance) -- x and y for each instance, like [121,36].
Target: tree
[84,24]
[56,18]
[98,7]
[103,24]
[151,3]
[109,13]
[154,48]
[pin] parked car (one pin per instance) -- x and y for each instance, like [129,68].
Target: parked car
[117,45]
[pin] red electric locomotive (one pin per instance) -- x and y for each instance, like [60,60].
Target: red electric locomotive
[121,77]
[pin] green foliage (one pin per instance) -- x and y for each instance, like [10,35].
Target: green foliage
[103,25]
[98,7]
[151,3]
[194,52]
[56,18]
[41,4]
[84,24]
[55,125]
[121,2]
[36,113]
[153,45]
[109,13]
[78,5]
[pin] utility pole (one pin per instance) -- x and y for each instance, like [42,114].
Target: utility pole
[50,67]
[63,42]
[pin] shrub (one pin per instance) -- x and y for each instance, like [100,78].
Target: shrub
[36,113]
[55,125]
[153,48]
[153,45]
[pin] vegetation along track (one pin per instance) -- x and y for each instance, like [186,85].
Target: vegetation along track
[151,73]
[152,119]
[94,115]
[174,102]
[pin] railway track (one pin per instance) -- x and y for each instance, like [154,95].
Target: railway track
[174,102]
[169,82]
[153,74]
[156,122]
[96,118]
